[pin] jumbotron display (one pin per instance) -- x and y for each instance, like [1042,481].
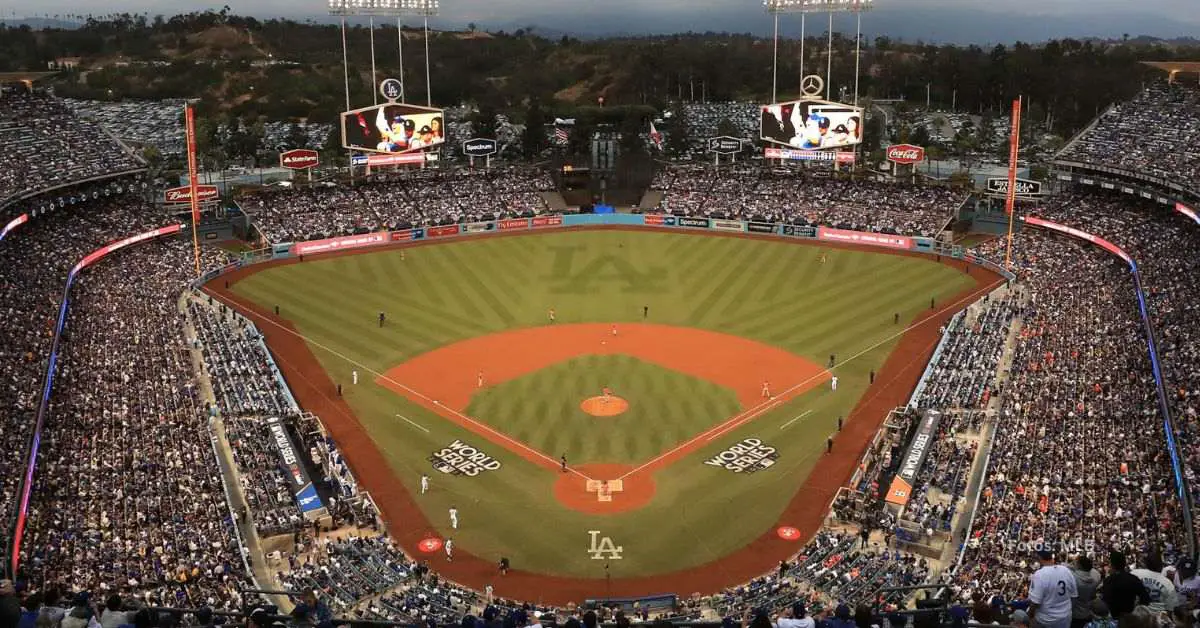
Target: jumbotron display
[811,124]
[392,128]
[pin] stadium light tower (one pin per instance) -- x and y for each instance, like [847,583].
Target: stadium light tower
[387,8]
[805,7]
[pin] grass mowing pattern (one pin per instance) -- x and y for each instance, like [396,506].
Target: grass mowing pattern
[542,409]
[766,290]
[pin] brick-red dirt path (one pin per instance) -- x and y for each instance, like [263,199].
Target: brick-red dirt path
[893,383]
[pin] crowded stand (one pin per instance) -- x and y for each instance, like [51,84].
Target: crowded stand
[962,373]
[44,145]
[244,379]
[1163,243]
[751,193]
[149,518]
[1156,133]
[34,260]
[1080,376]
[413,199]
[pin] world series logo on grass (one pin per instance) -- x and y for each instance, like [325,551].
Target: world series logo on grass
[748,456]
[459,458]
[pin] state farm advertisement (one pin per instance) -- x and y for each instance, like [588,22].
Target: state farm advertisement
[864,237]
[1083,235]
[441,231]
[512,223]
[299,159]
[120,244]
[658,220]
[905,153]
[547,221]
[1187,211]
[206,193]
[339,244]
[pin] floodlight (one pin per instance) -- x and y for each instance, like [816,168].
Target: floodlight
[425,8]
[818,6]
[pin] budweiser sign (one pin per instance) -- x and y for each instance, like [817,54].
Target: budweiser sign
[299,159]
[905,154]
[205,194]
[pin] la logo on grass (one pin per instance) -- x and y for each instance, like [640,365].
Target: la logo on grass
[603,547]
[572,275]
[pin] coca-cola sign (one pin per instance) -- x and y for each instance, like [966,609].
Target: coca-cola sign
[299,159]
[905,154]
[479,147]
[205,194]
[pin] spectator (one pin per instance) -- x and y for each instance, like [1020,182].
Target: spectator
[1121,590]
[1087,582]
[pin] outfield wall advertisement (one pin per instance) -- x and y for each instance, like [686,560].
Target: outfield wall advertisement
[340,244]
[862,237]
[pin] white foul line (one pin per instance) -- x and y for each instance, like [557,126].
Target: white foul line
[410,422]
[806,413]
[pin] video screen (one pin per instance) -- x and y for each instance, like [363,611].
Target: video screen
[811,124]
[393,128]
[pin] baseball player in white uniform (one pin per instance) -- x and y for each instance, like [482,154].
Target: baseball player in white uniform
[424,483]
[453,517]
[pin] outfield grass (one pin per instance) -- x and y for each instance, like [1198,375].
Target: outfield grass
[767,290]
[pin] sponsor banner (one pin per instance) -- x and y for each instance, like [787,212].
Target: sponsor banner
[459,458]
[441,231]
[809,155]
[1127,190]
[479,147]
[302,487]
[727,225]
[748,456]
[1087,181]
[1179,207]
[547,221]
[120,244]
[299,159]
[658,220]
[478,227]
[402,236]
[207,194]
[1108,186]
[1025,188]
[799,231]
[339,244]
[688,221]
[358,159]
[863,237]
[918,448]
[760,227]
[395,160]
[13,224]
[724,145]
[905,153]
[1083,235]
[509,224]
[1065,177]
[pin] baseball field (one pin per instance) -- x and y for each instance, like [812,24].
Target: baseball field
[687,381]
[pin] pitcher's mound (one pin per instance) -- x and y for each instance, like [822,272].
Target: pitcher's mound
[604,406]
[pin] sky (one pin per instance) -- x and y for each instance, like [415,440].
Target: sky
[950,21]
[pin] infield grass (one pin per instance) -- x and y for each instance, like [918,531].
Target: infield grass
[778,293]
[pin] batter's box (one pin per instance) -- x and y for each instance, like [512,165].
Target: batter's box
[605,489]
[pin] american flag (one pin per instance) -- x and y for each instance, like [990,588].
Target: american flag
[560,135]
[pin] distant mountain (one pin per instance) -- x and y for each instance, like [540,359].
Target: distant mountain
[37,22]
[941,25]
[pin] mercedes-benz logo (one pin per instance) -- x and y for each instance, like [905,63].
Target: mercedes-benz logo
[812,85]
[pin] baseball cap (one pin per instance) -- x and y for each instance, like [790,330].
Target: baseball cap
[1019,617]
[1045,554]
